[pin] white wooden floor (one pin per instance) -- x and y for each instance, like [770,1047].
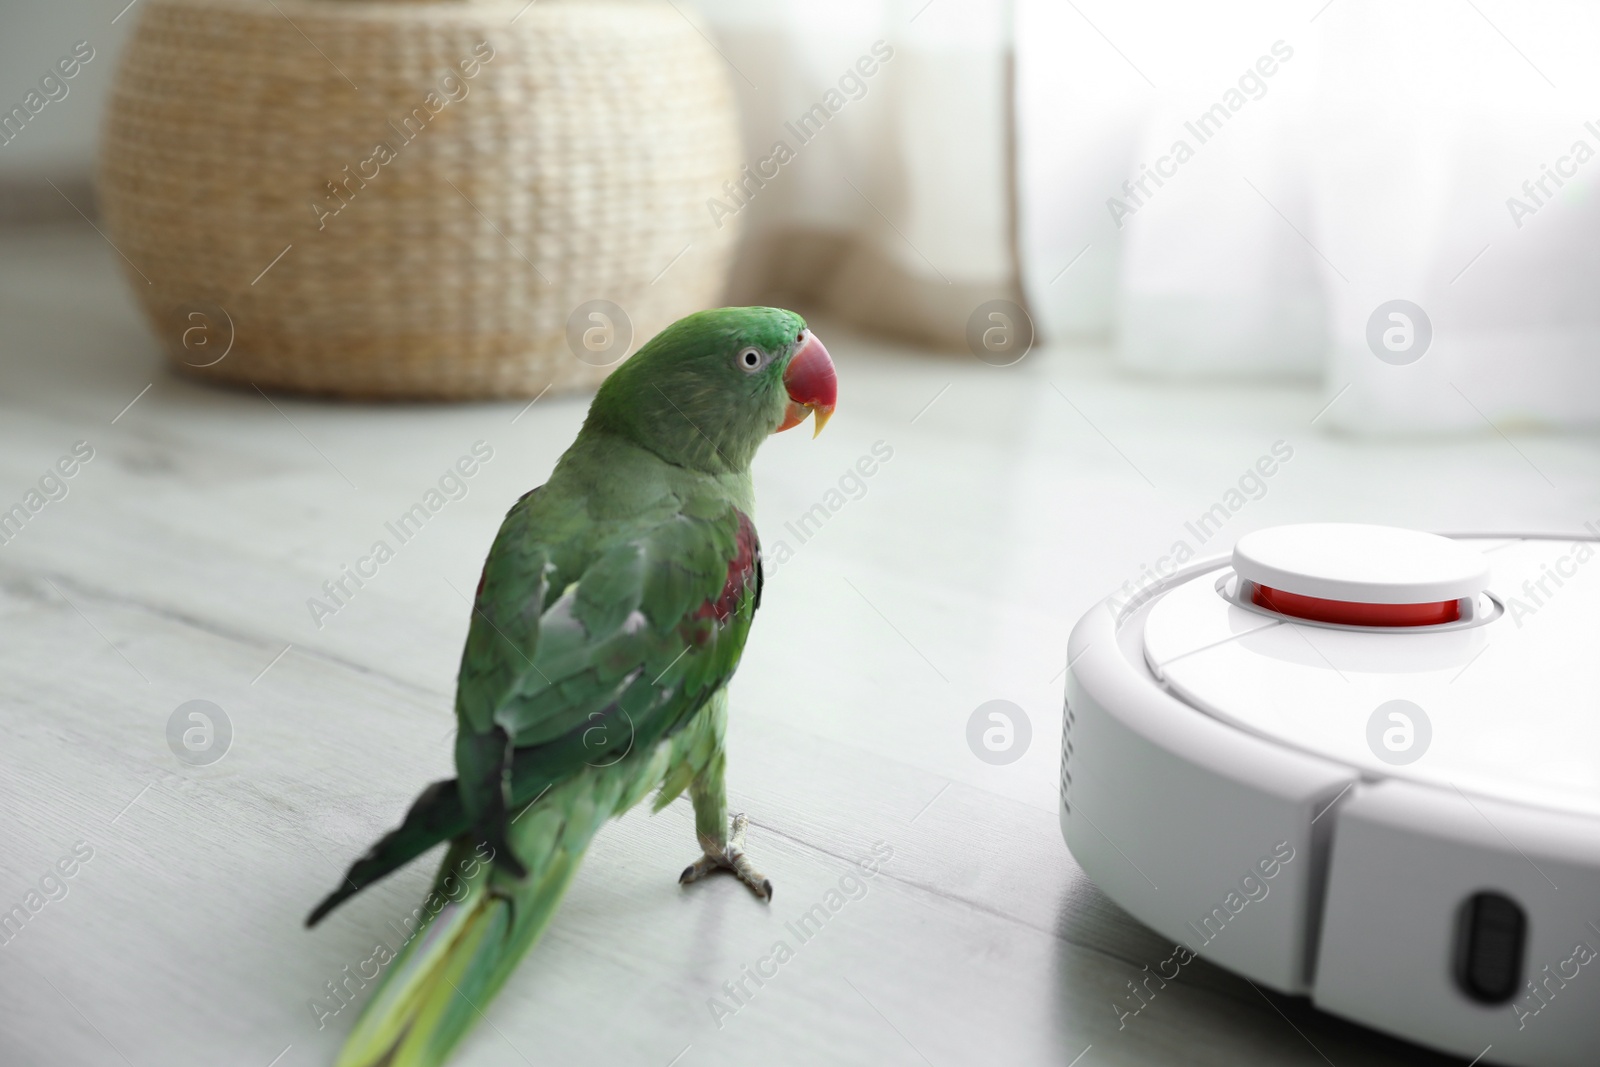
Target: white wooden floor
[179,565]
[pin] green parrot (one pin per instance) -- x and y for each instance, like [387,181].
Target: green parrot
[612,611]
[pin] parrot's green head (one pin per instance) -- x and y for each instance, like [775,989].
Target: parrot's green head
[707,390]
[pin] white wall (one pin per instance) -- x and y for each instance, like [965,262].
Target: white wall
[59,141]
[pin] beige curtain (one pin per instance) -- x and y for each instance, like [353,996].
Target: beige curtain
[877,137]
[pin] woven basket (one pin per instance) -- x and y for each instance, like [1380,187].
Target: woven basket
[574,164]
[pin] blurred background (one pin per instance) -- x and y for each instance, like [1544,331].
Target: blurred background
[1228,190]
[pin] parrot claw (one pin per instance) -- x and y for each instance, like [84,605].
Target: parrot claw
[729,858]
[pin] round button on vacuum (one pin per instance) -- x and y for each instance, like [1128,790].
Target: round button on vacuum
[1353,574]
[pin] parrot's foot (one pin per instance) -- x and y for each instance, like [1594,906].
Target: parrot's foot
[729,858]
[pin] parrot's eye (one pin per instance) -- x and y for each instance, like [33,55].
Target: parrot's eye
[750,359]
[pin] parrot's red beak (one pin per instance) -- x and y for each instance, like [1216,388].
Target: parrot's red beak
[812,384]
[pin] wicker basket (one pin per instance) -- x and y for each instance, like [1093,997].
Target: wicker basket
[536,161]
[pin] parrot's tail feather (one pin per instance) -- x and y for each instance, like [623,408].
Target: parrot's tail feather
[443,980]
[437,815]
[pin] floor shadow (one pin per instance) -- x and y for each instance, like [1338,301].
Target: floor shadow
[1203,1015]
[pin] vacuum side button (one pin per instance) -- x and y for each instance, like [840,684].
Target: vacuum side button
[1489,941]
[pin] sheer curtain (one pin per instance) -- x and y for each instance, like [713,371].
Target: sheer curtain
[878,139]
[1337,158]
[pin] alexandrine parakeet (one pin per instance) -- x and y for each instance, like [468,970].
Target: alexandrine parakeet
[612,611]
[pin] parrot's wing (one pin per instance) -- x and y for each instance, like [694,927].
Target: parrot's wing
[576,655]
[586,640]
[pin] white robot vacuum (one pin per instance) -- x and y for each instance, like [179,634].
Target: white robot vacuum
[1360,764]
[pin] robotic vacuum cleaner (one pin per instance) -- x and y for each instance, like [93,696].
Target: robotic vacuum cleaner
[1359,764]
